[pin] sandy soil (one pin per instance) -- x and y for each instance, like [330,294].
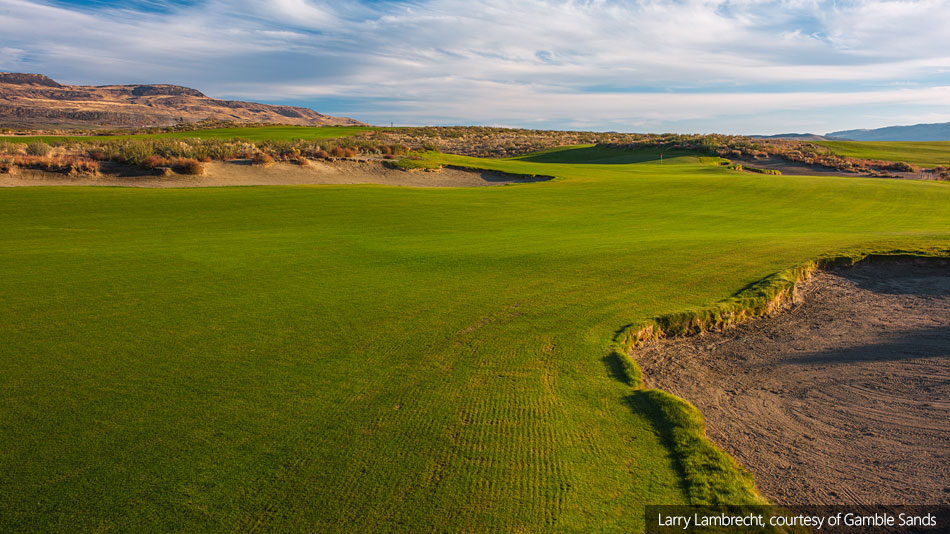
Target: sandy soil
[801,169]
[844,398]
[242,173]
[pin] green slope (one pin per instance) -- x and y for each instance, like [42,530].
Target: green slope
[923,153]
[365,358]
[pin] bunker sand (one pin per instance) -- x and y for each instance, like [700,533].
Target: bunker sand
[844,398]
[234,173]
[801,169]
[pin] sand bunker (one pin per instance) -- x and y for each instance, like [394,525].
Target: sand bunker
[801,169]
[242,173]
[842,399]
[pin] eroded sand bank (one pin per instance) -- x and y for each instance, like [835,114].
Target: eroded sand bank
[232,173]
[843,398]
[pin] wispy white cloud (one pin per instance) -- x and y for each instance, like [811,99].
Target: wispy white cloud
[552,62]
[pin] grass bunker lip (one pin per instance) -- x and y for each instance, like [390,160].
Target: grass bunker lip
[841,398]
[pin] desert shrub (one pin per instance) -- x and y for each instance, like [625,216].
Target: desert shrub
[278,147]
[320,154]
[6,165]
[38,148]
[83,166]
[337,152]
[198,152]
[709,144]
[135,152]
[290,153]
[188,166]
[98,155]
[33,162]
[152,162]
[66,164]
[219,149]
[167,148]
[262,158]
[901,166]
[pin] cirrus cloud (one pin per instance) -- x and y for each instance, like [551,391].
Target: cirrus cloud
[689,65]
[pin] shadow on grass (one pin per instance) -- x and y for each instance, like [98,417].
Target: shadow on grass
[597,155]
[615,369]
[644,403]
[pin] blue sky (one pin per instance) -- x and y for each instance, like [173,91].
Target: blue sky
[743,66]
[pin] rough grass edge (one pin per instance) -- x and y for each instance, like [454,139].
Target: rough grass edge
[711,476]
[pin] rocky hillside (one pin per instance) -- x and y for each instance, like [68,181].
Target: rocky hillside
[36,101]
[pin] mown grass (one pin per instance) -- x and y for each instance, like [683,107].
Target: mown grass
[262,133]
[366,358]
[923,153]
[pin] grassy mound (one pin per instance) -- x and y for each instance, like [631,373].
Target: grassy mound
[923,153]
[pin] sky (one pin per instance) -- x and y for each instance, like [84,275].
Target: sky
[689,66]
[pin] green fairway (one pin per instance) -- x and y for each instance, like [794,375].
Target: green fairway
[381,359]
[923,153]
[261,133]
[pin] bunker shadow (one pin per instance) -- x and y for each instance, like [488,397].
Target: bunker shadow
[901,277]
[917,344]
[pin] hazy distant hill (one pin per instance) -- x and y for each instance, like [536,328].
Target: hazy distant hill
[34,100]
[917,132]
[793,136]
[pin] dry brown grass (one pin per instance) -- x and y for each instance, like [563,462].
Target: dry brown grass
[188,166]
[262,158]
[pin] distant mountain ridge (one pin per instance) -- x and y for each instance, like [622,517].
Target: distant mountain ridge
[793,136]
[35,100]
[917,132]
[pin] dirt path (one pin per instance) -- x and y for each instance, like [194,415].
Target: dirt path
[842,399]
[241,173]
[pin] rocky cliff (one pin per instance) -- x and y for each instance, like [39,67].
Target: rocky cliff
[34,100]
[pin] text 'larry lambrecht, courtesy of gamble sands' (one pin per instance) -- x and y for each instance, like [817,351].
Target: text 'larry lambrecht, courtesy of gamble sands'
[662,519]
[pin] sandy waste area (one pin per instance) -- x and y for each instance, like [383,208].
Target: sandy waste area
[233,173]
